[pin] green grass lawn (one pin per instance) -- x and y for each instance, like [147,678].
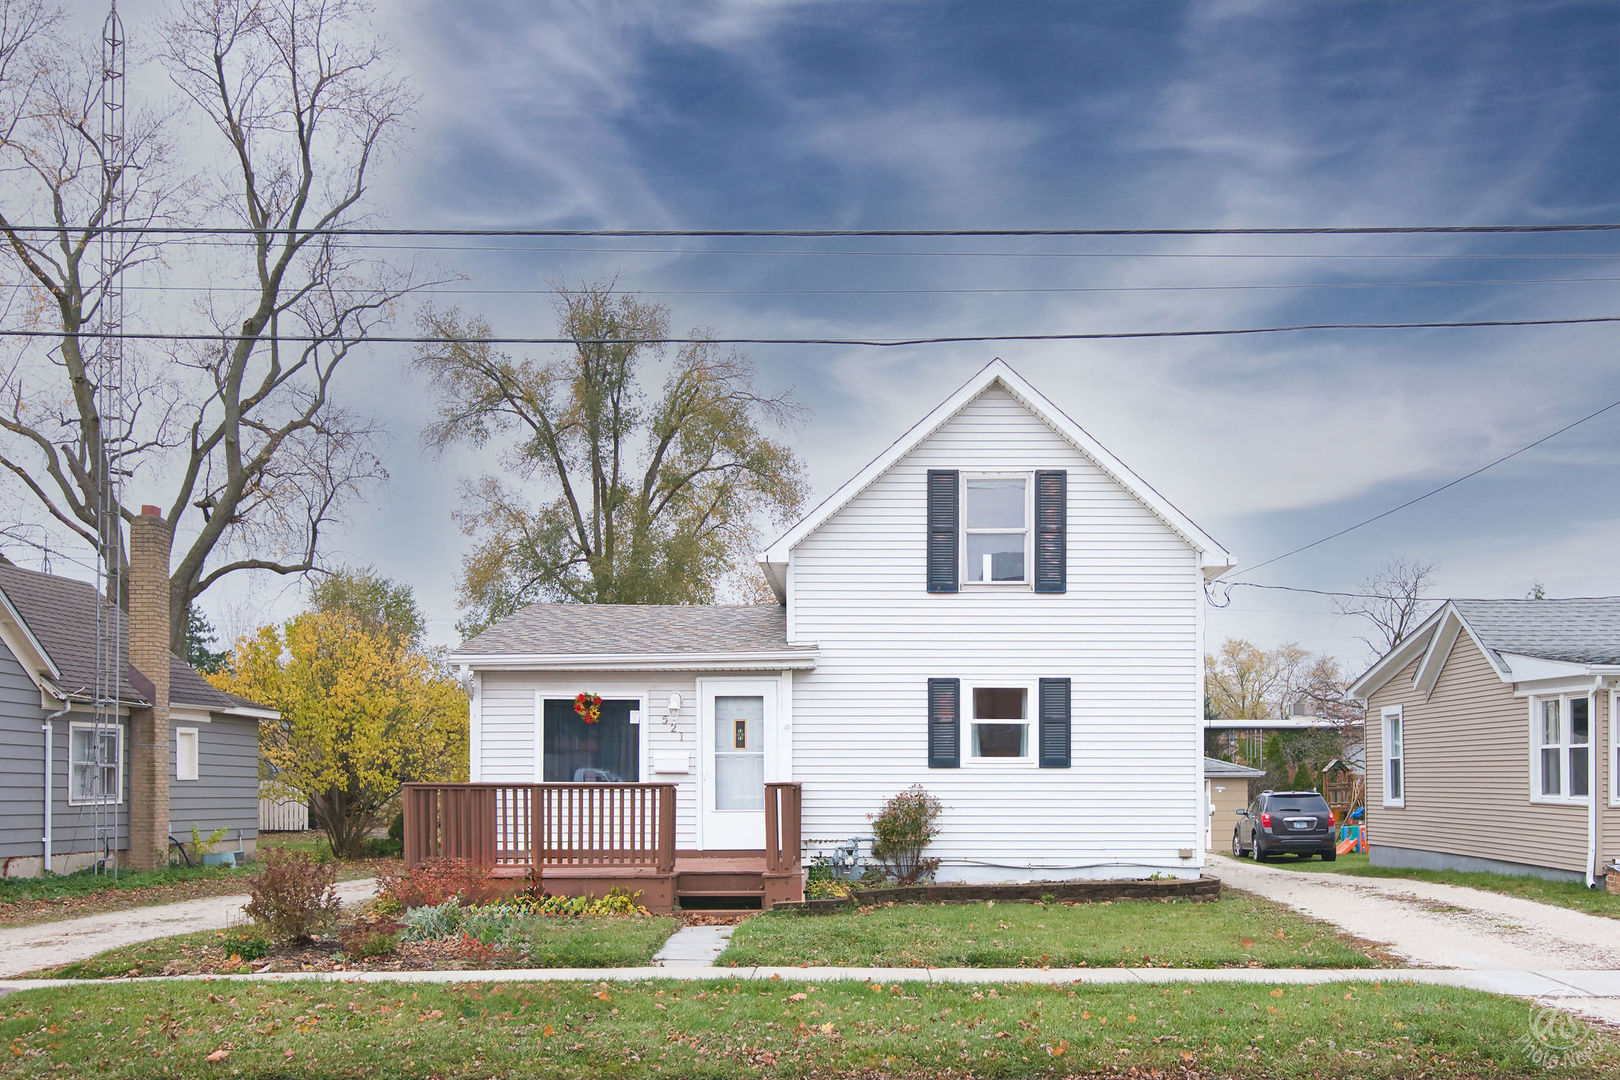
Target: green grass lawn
[1569,894]
[1237,930]
[725,1030]
[551,942]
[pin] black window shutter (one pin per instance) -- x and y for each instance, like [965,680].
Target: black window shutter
[1054,726]
[943,513]
[1051,533]
[944,733]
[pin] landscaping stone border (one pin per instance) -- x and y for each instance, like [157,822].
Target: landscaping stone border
[1203,888]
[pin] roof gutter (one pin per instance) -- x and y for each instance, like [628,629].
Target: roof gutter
[796,660]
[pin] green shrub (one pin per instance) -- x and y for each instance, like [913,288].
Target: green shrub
[379,945]
[294,897]
[377,847]
[248,942]
[827,888]
[901,831]
[431,923]
[396,830]
[616,902]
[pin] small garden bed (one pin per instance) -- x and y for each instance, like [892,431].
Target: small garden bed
[724,1030]
[1238,930]
[537,941]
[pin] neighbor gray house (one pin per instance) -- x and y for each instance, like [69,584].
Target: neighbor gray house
[1492,742]
[206,749]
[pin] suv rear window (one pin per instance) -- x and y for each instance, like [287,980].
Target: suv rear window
[1304,802]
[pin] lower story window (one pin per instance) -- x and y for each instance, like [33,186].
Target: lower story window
[95,764]
[606,752]
[1000,724]
[1563,730]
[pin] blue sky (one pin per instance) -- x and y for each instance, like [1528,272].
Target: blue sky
[1072,114]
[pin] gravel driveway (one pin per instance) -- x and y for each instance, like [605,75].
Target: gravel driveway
[1437,925]
[29,948]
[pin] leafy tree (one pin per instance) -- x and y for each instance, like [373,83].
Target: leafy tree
[1245,681]
[611,491]
[1393,600]
[361,714]
[292,105]
[378,604]
[200,634]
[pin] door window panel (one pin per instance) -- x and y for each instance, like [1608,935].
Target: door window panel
[739,752]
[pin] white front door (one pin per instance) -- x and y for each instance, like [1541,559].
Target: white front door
[737,725]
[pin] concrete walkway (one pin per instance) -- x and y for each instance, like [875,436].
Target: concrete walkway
[29,948]
[1440,925]
[693,946]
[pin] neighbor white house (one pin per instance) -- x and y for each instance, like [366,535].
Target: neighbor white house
[995,608]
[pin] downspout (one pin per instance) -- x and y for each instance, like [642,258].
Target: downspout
[1591,782]
[50,728]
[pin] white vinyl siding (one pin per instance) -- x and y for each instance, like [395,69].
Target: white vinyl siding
[1127,633]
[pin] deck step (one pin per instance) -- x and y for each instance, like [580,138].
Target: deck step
[720,892]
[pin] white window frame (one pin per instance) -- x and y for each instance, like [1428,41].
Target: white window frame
[1614,748]
[1397,714]
[1563,746]
[1028,477]
[969,718]
[181,734]
[88,727]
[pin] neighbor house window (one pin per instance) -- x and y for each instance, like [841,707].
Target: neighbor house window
[95,764]
[1394,757]
[995,528]
[1614,748]
[1562,730]
[185,753]
[998,727]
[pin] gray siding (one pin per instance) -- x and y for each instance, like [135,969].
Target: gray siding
[226,791]
[22,760]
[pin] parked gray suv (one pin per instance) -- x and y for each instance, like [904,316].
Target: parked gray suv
[1285,822]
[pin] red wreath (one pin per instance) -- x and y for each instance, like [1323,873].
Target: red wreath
[589,707]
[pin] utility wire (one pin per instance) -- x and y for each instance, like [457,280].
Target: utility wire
[1239,230]
[1428,494]
[904,292]
[876,343]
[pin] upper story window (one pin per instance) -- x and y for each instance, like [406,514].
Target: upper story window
[995,528]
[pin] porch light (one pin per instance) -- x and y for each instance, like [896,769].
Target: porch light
[674,703]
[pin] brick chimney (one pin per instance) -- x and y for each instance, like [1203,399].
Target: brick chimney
[150,543]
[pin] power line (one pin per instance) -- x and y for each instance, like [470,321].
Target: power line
[811,234]
[991,290]
[878,343]
[1428,494]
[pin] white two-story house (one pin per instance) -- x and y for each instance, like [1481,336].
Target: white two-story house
[995,608]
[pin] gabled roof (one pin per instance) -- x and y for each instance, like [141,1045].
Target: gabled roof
[1520,639]
[58,616]
[1216,559]
[630,635]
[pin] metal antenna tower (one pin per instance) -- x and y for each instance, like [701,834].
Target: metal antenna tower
[105,758]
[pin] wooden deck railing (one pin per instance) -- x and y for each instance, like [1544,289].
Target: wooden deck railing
[784,807]
[525,825]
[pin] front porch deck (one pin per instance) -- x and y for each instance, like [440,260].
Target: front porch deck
[584,839]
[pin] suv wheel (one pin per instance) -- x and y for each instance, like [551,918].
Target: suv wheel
[1237,846]
[1259,851]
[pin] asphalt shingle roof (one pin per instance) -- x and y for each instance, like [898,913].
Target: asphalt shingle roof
[1579,631]
[623,629]
[1217,767]
[61,614]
